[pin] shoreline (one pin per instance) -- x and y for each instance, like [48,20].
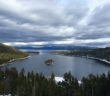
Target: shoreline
[94,58]
[13,60]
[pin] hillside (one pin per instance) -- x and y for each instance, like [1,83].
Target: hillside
[8,53]
[101,53]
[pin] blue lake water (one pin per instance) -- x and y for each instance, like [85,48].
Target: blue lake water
[78,66]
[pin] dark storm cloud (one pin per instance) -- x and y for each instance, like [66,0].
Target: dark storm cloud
[55,21]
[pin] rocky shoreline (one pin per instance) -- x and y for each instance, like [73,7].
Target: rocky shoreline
[13,60]
[99,59]
[102,60]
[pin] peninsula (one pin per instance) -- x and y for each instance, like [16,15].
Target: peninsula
[9,54]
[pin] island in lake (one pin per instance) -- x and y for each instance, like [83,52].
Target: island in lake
[49,61]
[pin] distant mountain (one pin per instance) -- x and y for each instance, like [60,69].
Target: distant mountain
[54,47]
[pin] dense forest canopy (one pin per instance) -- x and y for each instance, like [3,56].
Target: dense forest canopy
[19,84]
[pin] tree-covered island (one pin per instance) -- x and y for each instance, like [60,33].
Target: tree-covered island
[49,62]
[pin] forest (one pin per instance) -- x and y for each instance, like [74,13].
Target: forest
[101,53]
[8,53]
[31,84]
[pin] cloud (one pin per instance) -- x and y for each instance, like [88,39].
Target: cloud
[79,22]
[96,42]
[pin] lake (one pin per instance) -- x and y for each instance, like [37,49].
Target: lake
[78,66]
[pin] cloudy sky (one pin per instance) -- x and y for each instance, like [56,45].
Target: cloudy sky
[40,22]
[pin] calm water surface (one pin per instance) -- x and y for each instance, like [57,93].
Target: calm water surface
[78,66]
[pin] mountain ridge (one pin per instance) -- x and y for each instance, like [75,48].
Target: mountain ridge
[55,47]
